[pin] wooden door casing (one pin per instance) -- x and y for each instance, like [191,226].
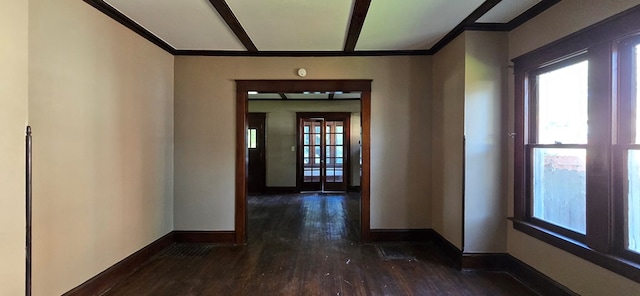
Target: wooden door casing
[256,155]
[329,162]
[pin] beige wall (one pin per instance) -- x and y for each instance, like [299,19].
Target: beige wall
[14,17]
[101,107]
[205,120]
[485,220]
[579,275]
[281,136]
[448,129]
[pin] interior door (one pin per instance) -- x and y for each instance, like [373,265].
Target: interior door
[323,151]
[256,177]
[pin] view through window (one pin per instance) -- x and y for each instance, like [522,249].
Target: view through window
[633,169]
[559,167]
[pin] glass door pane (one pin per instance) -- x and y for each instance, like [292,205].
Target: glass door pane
[633,201]
[334,148]
[311,146]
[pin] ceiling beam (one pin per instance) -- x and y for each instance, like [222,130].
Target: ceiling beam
[467,22]
[225,12]
[360,8]
[283,96]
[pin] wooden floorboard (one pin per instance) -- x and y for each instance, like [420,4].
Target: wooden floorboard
[307,244]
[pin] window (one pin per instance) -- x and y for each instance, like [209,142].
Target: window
[577,144]
[558,145]
[252,134]
[630,140]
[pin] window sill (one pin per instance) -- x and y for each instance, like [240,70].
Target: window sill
[621,266]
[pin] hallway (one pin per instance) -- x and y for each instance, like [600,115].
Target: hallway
[307,244]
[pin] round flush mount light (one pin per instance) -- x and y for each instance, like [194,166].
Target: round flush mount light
[302,72]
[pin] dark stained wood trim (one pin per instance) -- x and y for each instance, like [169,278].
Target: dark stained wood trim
[209,237]
[490,27]
[129,23]
[468,21]
[359,53]
[451,251]
[485,261]
[401,235]
[353,188]
[274,86]
[530,13]
[365,177]
[359,13]
[227,15]
[282,190]
[599,209]
[534,279]
[103,281]
[283,96]
[300,100]
[242,108]
[28,208]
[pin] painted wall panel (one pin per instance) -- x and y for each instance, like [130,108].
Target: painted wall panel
[448,128]
[101,107]
[486,73]
[14,31]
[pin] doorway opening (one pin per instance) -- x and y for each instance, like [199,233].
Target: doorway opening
[328,151]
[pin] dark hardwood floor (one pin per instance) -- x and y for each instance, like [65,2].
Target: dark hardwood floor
[307,244]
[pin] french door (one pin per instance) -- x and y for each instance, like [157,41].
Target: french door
[323,151]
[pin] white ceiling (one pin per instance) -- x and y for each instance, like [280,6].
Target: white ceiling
[411,24]
[309,25]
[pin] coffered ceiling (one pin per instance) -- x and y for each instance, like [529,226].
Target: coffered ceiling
[314,27]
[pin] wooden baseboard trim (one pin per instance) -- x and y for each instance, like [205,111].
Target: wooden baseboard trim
[534,279]
[529,276]
[451,251]
[281,190]
[401,235]
[208,237]
[353,188]
[484,261]
[103,281]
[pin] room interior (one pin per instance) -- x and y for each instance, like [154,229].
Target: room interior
[136,125]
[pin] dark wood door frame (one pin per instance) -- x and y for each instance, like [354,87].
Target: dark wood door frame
[325,116]
[274,86]
[257,120]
